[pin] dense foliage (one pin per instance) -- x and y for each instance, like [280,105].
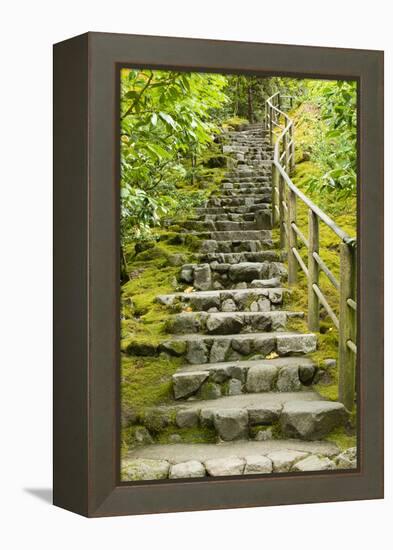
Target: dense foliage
[167,121]
[333,129]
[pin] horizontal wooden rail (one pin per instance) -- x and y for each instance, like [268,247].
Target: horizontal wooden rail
[352,346]
[352,304]
[299,234]
[284,196]
[325,304]
[300,261]
[326,270]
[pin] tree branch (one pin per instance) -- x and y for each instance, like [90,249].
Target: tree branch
[137,100]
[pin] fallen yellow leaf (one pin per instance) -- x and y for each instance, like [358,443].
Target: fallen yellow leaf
[272,355]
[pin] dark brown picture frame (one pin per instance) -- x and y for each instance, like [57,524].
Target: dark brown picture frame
[86,274]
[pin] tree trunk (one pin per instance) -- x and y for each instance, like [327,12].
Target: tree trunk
[124,274]
[250,105]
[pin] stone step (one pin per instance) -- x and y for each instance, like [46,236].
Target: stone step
[244,173]
[284,374]
[180,460]
[210,245]
[242,147]
[264,178]
[248,140]
[217,276]
[247,136]
[245,200]
[256,191]
[257,176]
[251,164]
[248,186]
[225,225]
[233,209]
[263,299]
[228,322]
[235,236]
[226,216]
[206,348]
[300,415]
[237,257]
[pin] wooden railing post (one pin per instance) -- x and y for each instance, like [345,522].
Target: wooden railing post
[292,238]
[347,358]
[271,124]
[292,149]
[275,189]
[281,194]
[313,271]
[284,150]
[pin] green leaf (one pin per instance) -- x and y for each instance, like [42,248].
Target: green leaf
[168,119]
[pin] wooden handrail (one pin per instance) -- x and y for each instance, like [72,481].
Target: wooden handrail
[284,196]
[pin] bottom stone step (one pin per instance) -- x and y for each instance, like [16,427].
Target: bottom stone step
[236,458]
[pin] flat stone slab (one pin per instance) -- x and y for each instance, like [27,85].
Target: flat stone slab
[277,362]
[257,234]
[184,452]
[252,401]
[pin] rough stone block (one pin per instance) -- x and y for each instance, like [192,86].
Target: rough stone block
[313,463]
[225,466]
[187,418]
[311,419]
[231,424]
[284,460]
[261,378]
[188,383]
[296,343]
[197,352]
[189,469]
[145,469]
[258,465]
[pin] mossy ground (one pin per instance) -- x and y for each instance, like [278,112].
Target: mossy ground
[344,213]
[146,380]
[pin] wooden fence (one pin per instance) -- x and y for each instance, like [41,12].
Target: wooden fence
[284,197]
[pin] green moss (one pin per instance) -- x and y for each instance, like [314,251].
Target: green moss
[234,122]
[342,439]
[276,431]
[146,381]
[274,427]
[209,390]
[188,435]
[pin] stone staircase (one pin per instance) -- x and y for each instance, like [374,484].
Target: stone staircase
[245,376]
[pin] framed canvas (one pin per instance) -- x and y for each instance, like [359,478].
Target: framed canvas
[218,274]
